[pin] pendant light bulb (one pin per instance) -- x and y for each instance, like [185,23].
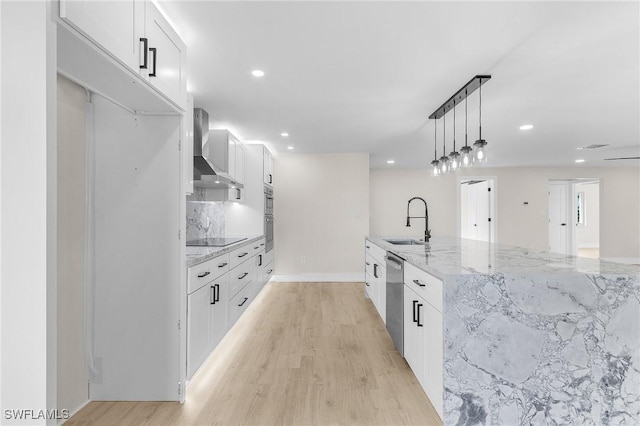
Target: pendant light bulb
[465,151]
[479,155]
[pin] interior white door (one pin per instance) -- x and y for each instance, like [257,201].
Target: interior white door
[476,210]
[558,218]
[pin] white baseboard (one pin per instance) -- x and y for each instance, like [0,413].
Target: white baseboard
[625,260]
[321,278]
[589,246]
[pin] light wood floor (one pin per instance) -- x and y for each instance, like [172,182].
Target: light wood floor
[303,353]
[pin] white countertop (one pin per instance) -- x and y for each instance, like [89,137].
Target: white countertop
[196,255]
[453,256]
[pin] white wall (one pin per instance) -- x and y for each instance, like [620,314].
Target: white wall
[72,373]
[28,209]
[517,223]
[321,212]
[588,236]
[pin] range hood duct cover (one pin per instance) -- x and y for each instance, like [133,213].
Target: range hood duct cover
[207,174]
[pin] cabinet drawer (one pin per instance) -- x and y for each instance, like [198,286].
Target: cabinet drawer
[239,277]
[424,284]
[376,252]
[239,303]
[268,271]
[268,257]
[206,272]
[240,255]
[256,246]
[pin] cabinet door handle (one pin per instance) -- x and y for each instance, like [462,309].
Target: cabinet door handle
[212,295]
[155,60]
[418,319]
[216,293]
[243,254]
[415,302]
[145,48]
[238,194]
[270,271]
[245,299]
[243,275]
[261,244]
[375,270]
[259,260]
[367,284]
[367,263]
[419,283]
[270,178]
[222,265]
[204,275]
[368,247]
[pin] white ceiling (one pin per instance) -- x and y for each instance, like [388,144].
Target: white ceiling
[364,76]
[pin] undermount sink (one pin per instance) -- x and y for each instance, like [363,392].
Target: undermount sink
[405,242]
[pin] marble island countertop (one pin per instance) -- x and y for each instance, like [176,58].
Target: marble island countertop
[534,338]
[451,256]
[196,255]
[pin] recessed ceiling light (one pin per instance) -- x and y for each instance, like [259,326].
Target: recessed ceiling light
[580,160]
[289,147]
[257,73]
[284,134]
[391,161]
[526,127]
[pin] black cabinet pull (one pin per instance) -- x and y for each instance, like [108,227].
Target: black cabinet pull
[366,283]
[145,47]
[238,196]
[245,299]
[243,275]
[155,60]
[415,302]
[367,263]
[419,283]
[368,247]
[259,260]
[262,244]
[204,275]
[243,254]
[270,178]
[418,319]
[222,265]
[216,293]
[270,271]
[375,270]
[212,296]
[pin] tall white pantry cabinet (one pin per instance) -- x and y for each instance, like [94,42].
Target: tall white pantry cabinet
[133,64]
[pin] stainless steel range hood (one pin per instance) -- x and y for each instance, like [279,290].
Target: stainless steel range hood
[206,173]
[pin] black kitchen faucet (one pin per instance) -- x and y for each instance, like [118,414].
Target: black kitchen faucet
[427,231]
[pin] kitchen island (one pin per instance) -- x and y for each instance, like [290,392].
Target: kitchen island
[533,337]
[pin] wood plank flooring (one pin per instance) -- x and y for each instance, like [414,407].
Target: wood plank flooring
[302,354]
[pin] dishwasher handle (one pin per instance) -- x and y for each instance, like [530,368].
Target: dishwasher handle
[393,263]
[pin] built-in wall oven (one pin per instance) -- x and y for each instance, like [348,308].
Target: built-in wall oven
[268,217]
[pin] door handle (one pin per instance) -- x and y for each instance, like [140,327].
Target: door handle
[419,283]
[375,270]
[243,275]
[243,254]
[155,60]
[259,260]
[245,299]
[212,295]
[222,265]
[414,311]
[270,178]
[204,275]
[563,224]
[145,48]
[216,293]
[418,319]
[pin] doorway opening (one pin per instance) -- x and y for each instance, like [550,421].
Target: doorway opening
[574,217]
[477,208]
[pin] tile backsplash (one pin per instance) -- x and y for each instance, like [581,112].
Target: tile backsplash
[205,219]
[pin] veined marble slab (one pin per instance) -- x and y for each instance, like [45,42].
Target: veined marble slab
[534,338]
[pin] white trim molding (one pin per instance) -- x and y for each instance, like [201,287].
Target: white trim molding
[624,260]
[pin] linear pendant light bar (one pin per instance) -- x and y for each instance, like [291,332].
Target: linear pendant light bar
[460,95]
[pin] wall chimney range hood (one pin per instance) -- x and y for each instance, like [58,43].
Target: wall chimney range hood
[207,172]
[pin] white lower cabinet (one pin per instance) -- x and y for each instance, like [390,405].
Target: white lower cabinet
[423,333]
[219,291]
[376,278]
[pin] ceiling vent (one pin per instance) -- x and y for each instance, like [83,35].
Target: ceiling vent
[593,146]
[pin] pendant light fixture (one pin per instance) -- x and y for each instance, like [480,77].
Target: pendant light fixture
[479,154]
[465,161]
[444,160]
[467,155]
[454,155]
[435,164]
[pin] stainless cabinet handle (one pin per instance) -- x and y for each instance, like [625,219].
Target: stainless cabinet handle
[243,254]
[419,283]
[243,275]
[155,60]
[245,299]
[204,275]
[222,265]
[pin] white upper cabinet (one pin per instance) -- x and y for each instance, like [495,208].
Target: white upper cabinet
[268,167]
[113,25]
[187,146]
[166,56]
[133,34]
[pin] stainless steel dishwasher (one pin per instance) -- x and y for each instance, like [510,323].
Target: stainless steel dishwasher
[395,300]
